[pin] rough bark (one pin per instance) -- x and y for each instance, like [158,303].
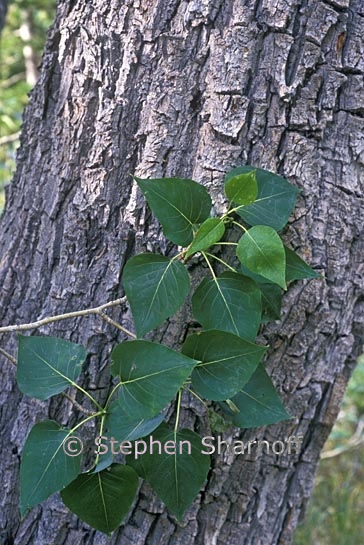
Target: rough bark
[167,88]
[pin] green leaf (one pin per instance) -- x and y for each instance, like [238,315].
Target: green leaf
[211,231]
[296,268]
[155,287]
[178,204]
[227,362]
[261,250]
[177,471]
[243,188]
[45,467]
[47,365]
[151,374]
[258,403]
[102,499]
[271,302]
[271,296]
[275,202]
[230,302]
[123,426]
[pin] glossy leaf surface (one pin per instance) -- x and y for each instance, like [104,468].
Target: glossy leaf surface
[261,251]
[243,188]
[210,231]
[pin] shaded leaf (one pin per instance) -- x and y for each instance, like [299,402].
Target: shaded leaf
[275,201]
[151,375]
[227,362]
[296,268]
[271,295]
[178,204]
[45,467]
[102,499]
[261,250]
[178,476]
[210,232]
[271,302]
[243,188]
[47,365]
[230,302]
[258,403]
[155,287]
[123,426]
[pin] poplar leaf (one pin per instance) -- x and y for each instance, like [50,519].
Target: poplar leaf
[178,204]
[156,287]
[261,250]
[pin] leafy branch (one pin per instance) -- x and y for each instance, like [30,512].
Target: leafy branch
[221,362]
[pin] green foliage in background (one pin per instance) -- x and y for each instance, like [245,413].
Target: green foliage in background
[335,513]
[37,15]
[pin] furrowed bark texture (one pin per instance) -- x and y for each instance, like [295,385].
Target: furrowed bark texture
[189,89]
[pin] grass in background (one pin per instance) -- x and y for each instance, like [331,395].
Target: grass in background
[336,513]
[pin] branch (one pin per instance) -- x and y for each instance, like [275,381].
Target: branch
[75,314]
[10,138]
[355,441]
[7,355]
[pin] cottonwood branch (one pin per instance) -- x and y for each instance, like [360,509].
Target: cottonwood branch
[86,312]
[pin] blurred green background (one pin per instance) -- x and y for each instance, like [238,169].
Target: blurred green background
[335,514]
[21,45]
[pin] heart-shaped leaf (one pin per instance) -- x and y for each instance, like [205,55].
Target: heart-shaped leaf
[155,287]
[45,466]
[258,403]
[102,499]
[275,201]
[47,365]
[211,231]
[151,374]
[243,188]
[178,204]
[227,362]
[261,250]
[229,302]
[177,471]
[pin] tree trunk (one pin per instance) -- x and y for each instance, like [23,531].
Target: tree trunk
[189,89]
[3,10]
